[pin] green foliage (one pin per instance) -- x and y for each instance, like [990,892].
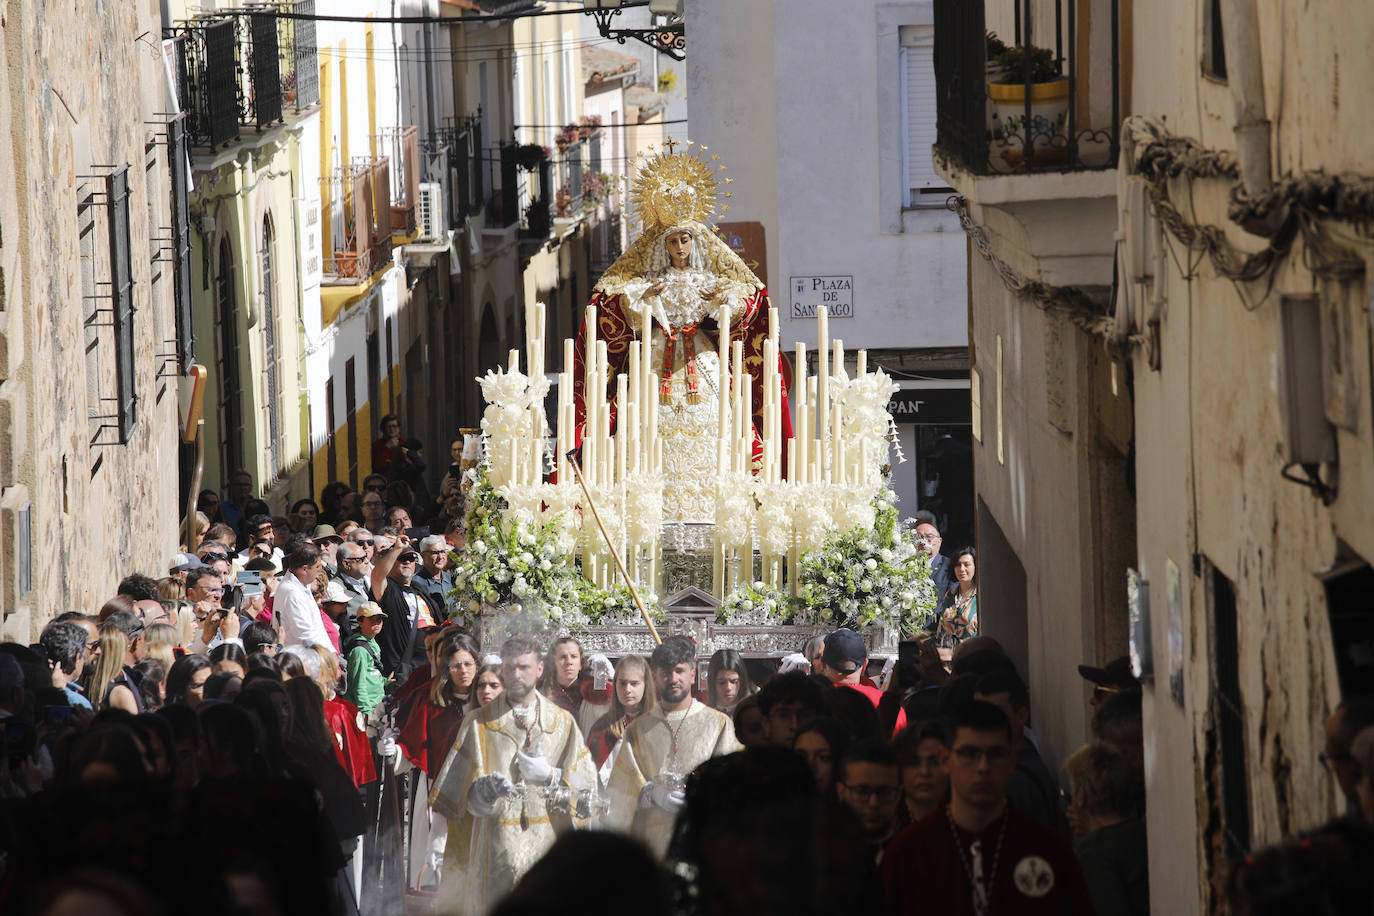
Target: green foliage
[1044,65]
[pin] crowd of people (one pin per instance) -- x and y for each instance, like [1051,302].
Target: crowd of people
[287,722]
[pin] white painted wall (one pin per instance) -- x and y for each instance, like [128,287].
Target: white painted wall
[809,126]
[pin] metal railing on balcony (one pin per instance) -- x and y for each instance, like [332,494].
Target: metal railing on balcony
[452,156]
[207,80]
[358,196]
[300,67]
[244,68]
[1031,104]
[402,148]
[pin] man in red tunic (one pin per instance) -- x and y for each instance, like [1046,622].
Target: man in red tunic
[979,856]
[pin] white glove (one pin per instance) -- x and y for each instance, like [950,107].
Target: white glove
[485,791]
[386,745]
[537,770]
[661,796]
[601,668]
[794,662]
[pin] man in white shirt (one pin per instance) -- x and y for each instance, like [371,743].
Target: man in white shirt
[293,604]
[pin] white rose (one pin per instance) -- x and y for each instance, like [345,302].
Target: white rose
[545,565]
[526,558]
[871,563]
[479,546]
[493,597]
[746,605]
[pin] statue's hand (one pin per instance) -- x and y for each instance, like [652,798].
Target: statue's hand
[715,294]
[655,289]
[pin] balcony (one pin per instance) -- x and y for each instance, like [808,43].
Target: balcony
[359,206]
[453,157]
[244,69]
[1019,89]
[402,147]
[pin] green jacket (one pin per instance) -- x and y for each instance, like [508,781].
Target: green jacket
[366,683]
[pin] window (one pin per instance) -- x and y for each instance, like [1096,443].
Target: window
[1213,44]
[351,418]
[227,363]
[269,349]
[177,155]
[923,185]
[1228,793]
[107,292]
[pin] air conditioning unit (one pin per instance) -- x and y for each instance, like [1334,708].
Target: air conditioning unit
[433,227]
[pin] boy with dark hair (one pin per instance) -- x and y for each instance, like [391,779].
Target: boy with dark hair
[983,856]
[664,745]
[868,782]
[1033,788]
[789,702]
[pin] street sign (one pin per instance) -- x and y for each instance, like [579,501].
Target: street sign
[836,293]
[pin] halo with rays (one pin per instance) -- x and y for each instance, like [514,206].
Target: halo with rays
[671,189]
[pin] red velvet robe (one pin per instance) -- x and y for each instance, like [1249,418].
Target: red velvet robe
[350,742]
[428,732]
[617,330]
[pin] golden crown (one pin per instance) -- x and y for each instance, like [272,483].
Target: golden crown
[671,189]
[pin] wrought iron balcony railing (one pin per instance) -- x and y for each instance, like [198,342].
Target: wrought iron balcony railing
[300,67]
[453,157]
[1034,103]
[402,147]
[245,68]
[359,205]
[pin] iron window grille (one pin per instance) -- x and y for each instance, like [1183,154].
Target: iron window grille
[107,275]
[173,242]
[972,130]
[403,151]
[298,55]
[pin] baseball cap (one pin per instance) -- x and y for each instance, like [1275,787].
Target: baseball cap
[325,534]
[337,592]
[370,609]
[844,651]
[184,562]
[1116,673]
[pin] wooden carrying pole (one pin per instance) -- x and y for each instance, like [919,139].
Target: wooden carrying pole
[615,554]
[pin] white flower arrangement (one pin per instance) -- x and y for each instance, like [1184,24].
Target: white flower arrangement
[518,566]
[776,508]
[735,510]
[869,573]
[643,507]
[758,604]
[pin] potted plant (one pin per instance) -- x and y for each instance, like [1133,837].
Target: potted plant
[530,155]
[566,137]
[1008,88]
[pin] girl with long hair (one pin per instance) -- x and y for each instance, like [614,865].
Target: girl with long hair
[634,695]
[727,680]
[486,686]
[186,680]
[107,686]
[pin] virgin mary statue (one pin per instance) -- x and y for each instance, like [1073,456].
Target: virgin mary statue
[687,280]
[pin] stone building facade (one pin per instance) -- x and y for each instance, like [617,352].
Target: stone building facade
[89,334]
[1170,337]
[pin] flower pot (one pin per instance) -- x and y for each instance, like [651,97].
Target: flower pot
[1049,112]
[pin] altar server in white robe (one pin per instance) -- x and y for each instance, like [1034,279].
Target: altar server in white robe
[663,746]
[489,786]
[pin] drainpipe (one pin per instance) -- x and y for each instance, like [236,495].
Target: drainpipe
[1240,33]
[248,256]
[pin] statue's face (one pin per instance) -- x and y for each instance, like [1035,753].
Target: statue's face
[680,248]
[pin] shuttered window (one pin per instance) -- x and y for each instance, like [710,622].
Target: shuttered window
[918,115]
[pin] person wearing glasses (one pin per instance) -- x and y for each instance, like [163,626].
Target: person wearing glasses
[1032,788]
[980,853]
[352,571]
[433,574]
[868,782]
[374,511]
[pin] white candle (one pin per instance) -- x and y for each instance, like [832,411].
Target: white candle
[723,392]
[823,386]
[622,390]
[862,364]
[646,336]
[838,359]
